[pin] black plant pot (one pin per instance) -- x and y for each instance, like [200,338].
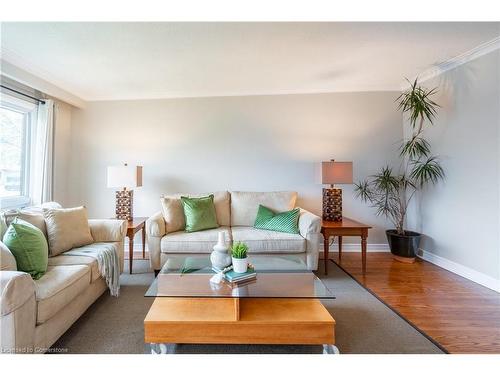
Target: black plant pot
[404,247]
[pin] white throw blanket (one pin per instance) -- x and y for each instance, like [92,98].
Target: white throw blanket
[107,261]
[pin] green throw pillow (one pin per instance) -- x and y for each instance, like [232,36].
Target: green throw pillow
[287,222]
[29,246]
[199,213]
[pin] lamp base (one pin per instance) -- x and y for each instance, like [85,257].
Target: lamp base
[124,204]
[332,204]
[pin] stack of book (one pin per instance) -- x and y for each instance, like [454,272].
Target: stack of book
[234,277]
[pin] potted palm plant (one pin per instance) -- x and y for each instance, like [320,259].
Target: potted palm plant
[391,191]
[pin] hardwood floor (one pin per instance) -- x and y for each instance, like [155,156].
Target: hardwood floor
[459,314]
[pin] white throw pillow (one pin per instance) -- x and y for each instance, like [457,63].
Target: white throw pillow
[67,228]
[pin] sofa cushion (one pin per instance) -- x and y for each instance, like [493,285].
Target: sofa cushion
[71,260]
[93,249]
[244,205]
[58,287]
[195,242]
[67,228]
[266,241]
[222,202]
[173,213]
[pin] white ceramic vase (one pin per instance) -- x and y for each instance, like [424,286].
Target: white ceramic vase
[220,257]
[240,265]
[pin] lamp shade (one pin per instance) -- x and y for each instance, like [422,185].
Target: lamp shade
[336,172]
[124,176]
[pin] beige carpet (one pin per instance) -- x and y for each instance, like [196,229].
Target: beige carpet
[364,324]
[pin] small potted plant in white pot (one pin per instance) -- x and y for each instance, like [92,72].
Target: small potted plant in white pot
[239,257]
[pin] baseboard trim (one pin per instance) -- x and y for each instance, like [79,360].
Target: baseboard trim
[466,272]
[356,248]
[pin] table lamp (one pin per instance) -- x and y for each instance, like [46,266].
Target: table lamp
[334,172]
[124,177]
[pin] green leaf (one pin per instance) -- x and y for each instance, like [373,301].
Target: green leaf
[415,148]
[385,181]
[416,101]
[362,191]
[427,171]
[239,250]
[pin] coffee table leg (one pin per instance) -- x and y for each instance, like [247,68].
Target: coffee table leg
[330,349]
[162,348]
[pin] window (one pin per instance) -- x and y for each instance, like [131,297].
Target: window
[16,117]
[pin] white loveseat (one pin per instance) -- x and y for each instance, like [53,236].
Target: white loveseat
[35,313]
[236,212]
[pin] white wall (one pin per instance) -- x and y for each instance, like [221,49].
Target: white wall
[461,216]
[255,143]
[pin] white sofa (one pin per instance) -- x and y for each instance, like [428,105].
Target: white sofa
[236,212]
[35,313]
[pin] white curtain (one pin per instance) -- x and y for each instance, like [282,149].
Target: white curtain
[41,177]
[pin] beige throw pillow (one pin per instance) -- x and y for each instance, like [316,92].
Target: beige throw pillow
[33,215]
[35,218]
[67,228]
[173,213]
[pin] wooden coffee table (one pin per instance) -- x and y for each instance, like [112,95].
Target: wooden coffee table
[280,307]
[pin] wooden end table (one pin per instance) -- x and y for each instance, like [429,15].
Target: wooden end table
[346,227]
[134,226]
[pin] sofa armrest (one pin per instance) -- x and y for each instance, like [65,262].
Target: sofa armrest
[155,225]
[16,288]
[155,230]
[108,230]
[17,312]
[309,223]
[310,229]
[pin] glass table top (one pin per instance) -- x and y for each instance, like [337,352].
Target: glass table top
[277,277]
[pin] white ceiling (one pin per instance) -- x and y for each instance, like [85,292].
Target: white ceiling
[109,61]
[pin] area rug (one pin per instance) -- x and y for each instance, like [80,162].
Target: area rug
[364,323]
